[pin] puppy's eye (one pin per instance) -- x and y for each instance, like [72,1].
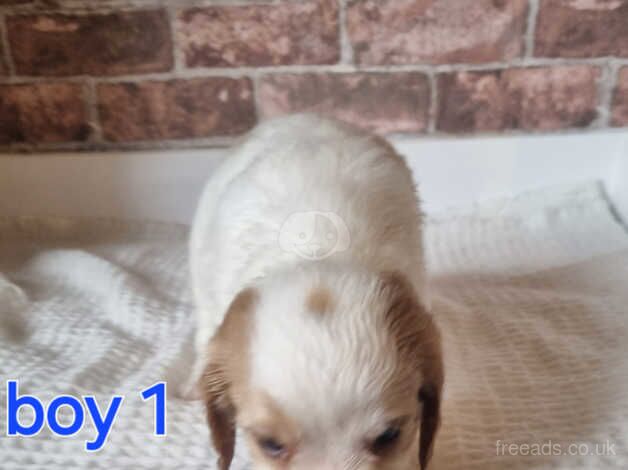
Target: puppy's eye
[271,447]
[385,440]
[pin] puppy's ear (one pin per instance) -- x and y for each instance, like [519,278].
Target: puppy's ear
[419,344]
[430,397]
[220,415]
[226,372]
[430,392]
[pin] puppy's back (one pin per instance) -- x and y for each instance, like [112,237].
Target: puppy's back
[303,189]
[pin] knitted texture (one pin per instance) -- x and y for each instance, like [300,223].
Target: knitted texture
[530,294]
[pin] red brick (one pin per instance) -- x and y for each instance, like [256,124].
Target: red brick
[620,99]
[42,113]
[383,102]
[176,109]
[521,98]
[436,31]
[114,44]
[303,32]
[582,28]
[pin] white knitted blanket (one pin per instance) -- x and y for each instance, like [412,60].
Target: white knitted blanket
[531,294]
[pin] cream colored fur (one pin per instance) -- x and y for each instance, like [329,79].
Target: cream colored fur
[305,202]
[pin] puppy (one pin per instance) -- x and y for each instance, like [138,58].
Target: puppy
[308,274]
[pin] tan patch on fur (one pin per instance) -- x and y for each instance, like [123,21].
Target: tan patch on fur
[262,418]
[229,346]
[227,372]
[319,300]
[417,336]
[228,391]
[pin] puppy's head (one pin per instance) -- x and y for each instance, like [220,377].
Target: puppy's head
[326,370]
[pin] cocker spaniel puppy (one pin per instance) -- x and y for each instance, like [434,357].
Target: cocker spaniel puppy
[313,331]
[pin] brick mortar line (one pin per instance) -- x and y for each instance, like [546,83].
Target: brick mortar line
[201,72]
[601,109]
[7,58]
[238,72]
[346,49]
[433,110]
[607,86]
[529,35]
[177,53]
[257,105]
[93,114]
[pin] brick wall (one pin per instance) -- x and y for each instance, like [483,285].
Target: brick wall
[83,74]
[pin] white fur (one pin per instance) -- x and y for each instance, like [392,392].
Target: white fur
[307,201]
[326,372]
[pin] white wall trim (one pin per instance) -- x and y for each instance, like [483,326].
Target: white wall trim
[165,185]
[617,183]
